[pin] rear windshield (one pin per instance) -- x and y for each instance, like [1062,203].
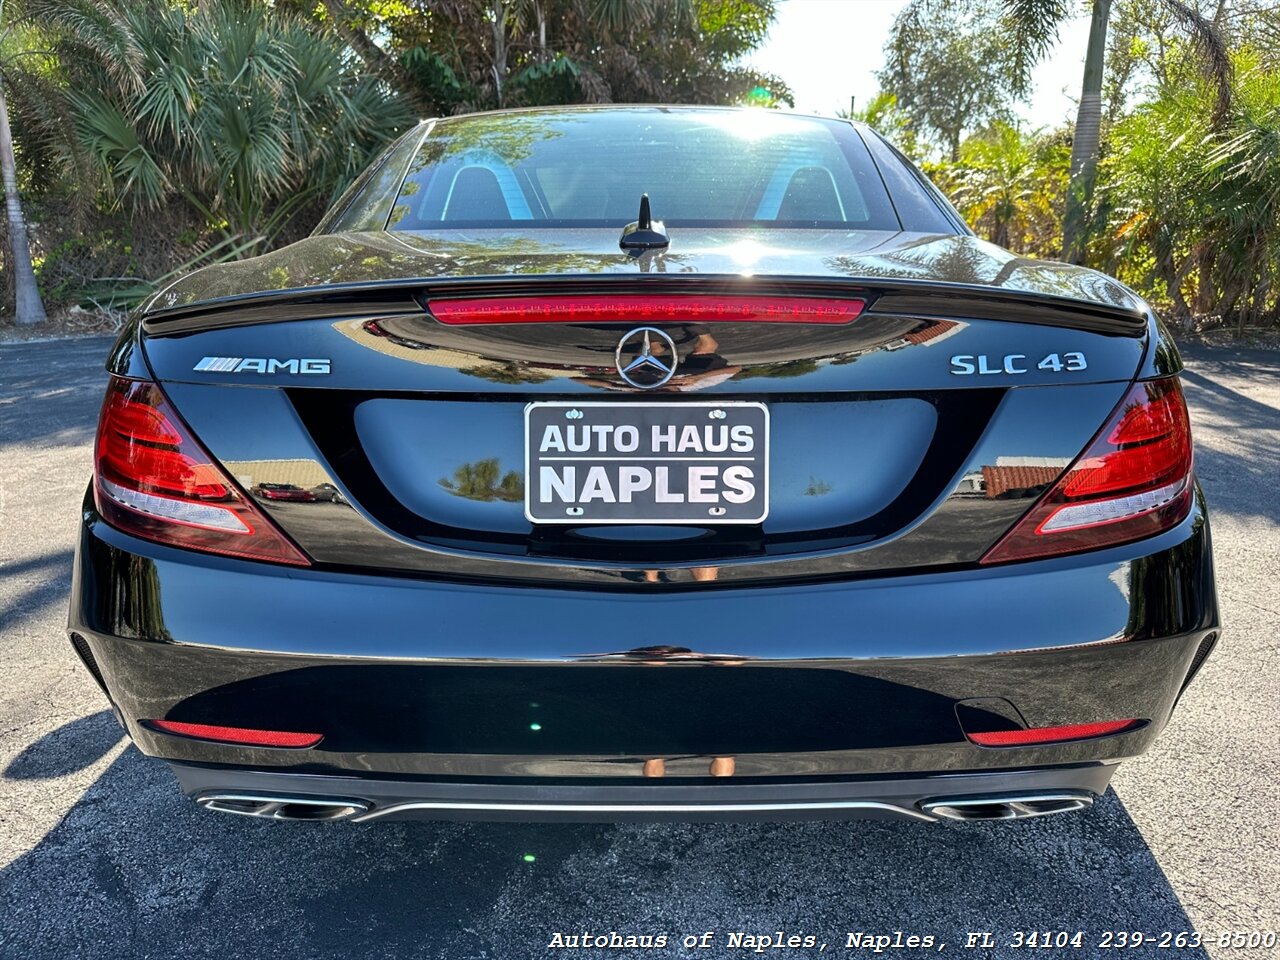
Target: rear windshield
[700,168]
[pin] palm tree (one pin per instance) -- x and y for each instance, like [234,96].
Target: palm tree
[1241,181]
[1035,28]
[1006,184]
[247,114]
[28,308]
[36,36]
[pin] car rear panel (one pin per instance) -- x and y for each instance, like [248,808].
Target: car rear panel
[444,646]
[407,453]
[419,678]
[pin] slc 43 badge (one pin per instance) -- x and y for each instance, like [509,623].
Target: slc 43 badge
[964,365]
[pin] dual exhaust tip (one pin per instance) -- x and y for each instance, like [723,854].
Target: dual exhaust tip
[318,809]
[282,808]
[1008,808]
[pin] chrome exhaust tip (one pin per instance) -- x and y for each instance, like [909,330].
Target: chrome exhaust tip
[1008,808]
[282,808]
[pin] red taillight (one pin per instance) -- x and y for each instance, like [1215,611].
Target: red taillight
[644,308]
[244,736]
[1133,481]
[1076,731]
[151,478]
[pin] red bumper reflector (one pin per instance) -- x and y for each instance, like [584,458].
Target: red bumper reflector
[238,735]
[1077,731]
[643,308]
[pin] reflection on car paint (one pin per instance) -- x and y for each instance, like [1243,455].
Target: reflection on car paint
[441,255]
[706,357]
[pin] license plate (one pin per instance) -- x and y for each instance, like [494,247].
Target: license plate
[690,463]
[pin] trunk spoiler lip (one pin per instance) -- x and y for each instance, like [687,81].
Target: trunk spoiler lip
[897,296]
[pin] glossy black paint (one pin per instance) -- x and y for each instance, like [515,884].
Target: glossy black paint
[442,641]
[126,358]
[310,438]
[892,352]
[429,679]
[348,273]
[645,234]
[353,247]
[1162,358]
[916,199]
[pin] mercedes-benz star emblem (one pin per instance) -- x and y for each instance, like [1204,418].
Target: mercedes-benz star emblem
[646,358]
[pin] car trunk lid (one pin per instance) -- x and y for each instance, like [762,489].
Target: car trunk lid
[909,437]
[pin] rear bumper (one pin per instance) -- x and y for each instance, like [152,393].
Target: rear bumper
[993,795]
[428,692]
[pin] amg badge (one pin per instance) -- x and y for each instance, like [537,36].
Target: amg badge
[264,365]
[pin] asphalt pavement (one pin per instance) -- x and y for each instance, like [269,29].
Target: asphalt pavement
[100,856]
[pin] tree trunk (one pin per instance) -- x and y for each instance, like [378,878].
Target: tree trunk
[541,16]
[499,68]
[1085,141]
[1205,298]
[28,307]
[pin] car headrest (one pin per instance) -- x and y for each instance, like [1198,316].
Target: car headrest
[476,195]
[811,195]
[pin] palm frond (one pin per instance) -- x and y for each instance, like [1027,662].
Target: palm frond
[622,15]
[1211,54]
[110,138]
[1033,30]
[97,28]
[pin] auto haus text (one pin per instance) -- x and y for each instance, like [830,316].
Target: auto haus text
[759,943]
[699,482]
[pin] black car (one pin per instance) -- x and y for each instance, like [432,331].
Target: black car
[688,463]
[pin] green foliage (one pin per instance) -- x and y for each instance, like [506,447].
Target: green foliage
[246,114]
[1009,185]
[549,82]
[1187,202]
[126,293]
[222,127]
[434,77]
[465,55]
[884,116]
[1188,209]
[1032,29]
[1191,210]
[484,481]
[947,64]
[153,136]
